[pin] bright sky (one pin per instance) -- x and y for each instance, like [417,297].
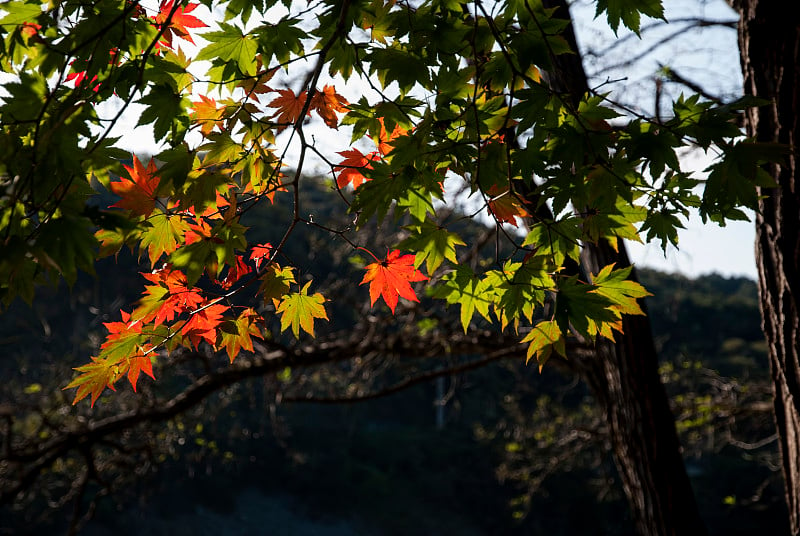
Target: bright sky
[707,56]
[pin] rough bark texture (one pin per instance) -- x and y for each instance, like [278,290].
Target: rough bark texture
[625,380]
[769,43]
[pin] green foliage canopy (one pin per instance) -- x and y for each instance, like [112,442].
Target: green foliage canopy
[453,99]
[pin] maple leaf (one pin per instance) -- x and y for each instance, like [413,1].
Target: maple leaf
[237,334]
[95,377]
[137,364]
[275,283]
[29,29]
[202,325]
[505,206]
[299,310]
[349,168]
[326,103]
[207,114]
[163,235]
[178,24]
[138,192]
[167,298]
[235,272]
[385,138]
[289,107]
[545,337]
[392,278]
[260,253]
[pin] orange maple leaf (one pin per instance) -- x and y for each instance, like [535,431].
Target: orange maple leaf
[385,138]
[350,168]
[202,326]
[138,193]
[392,278]
[137,364]
[289,106]
[326,103]
[207,114]
[505,206]
[178,24]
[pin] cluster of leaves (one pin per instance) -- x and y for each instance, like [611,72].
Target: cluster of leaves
[452,100]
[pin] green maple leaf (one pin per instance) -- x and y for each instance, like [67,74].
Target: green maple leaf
[545,337]
[230,45]
[623,293]
[464,288]
[433,245]
[629,12]
[299,310]
[167,110]
[164,235]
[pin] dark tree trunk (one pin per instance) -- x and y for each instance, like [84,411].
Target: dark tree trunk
[625,380]
[769,43]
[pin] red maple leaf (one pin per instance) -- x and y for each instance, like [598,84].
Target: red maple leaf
[202,326]
[327,102]
[235,273]
[260,253]
[121,330]
[29,29]
[138,193]
[179,23]
[137,364]
[289,106]
[505,206]
[385,138]
[350,168]
[392,278]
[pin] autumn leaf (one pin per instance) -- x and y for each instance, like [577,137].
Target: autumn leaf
[545,337]
[385,138]
[178,24]
[237,334]
[207,114]
[259,253]
[392,278]
[95,377]
[202,325]
[299,310]
[138,192]
[505,206]
[137,364]
[167,298]
[235,272]
[350,168]
[289,107]
[326,103]
[275,283]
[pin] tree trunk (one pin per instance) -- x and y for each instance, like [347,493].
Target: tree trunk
[625,380]
[769,43]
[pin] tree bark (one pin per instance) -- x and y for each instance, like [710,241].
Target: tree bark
[626,383]
[769,44]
